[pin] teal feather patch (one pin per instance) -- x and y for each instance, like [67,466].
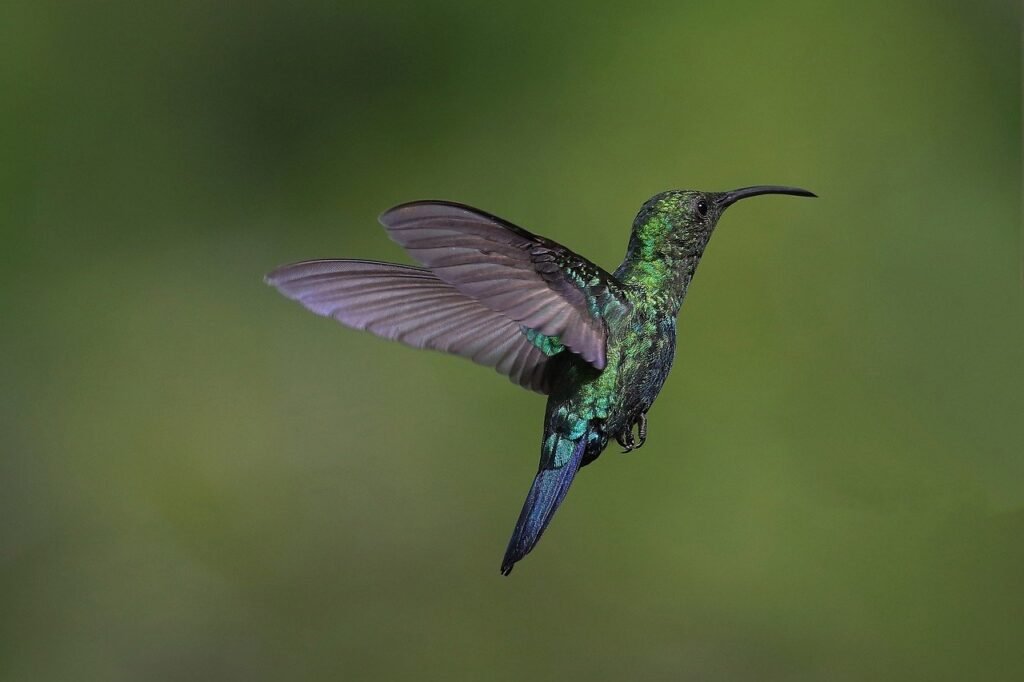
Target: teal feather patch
[564,450]
[549,345]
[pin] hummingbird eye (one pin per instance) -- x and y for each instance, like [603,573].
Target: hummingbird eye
[702,208]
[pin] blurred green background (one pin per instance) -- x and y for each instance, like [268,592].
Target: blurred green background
[201,480]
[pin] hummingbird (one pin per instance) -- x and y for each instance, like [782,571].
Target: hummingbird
[600,345]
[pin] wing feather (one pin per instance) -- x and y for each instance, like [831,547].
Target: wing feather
[529,279]
[415,307]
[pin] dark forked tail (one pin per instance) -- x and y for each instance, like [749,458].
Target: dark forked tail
[559,464]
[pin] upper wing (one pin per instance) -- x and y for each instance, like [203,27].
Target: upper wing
[532,280]
[413,306]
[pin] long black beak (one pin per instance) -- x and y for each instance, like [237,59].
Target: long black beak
[726,199]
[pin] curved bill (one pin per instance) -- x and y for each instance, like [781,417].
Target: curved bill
[729,198]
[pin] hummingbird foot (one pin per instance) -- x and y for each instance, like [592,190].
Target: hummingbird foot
[626,439]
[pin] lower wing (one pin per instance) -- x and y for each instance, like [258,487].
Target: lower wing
[413,306]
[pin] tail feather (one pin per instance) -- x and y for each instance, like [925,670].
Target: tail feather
[548,490]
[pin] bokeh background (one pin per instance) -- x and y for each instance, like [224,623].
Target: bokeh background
[200,480]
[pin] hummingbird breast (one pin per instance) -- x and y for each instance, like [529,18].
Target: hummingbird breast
[645,347]
[640,351]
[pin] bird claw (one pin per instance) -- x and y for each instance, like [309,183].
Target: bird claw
[626,440]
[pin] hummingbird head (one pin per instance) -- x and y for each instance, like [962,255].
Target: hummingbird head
[678,223]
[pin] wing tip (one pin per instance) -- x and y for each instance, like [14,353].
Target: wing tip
[280,275]
[385,217]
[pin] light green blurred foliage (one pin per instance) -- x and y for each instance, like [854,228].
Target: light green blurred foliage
[200,480]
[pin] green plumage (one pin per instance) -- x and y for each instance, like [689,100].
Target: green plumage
[599,345]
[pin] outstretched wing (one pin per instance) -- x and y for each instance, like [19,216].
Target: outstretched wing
[413,306]
[529,279]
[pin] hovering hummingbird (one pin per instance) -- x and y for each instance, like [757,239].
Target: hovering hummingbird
[599,345]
